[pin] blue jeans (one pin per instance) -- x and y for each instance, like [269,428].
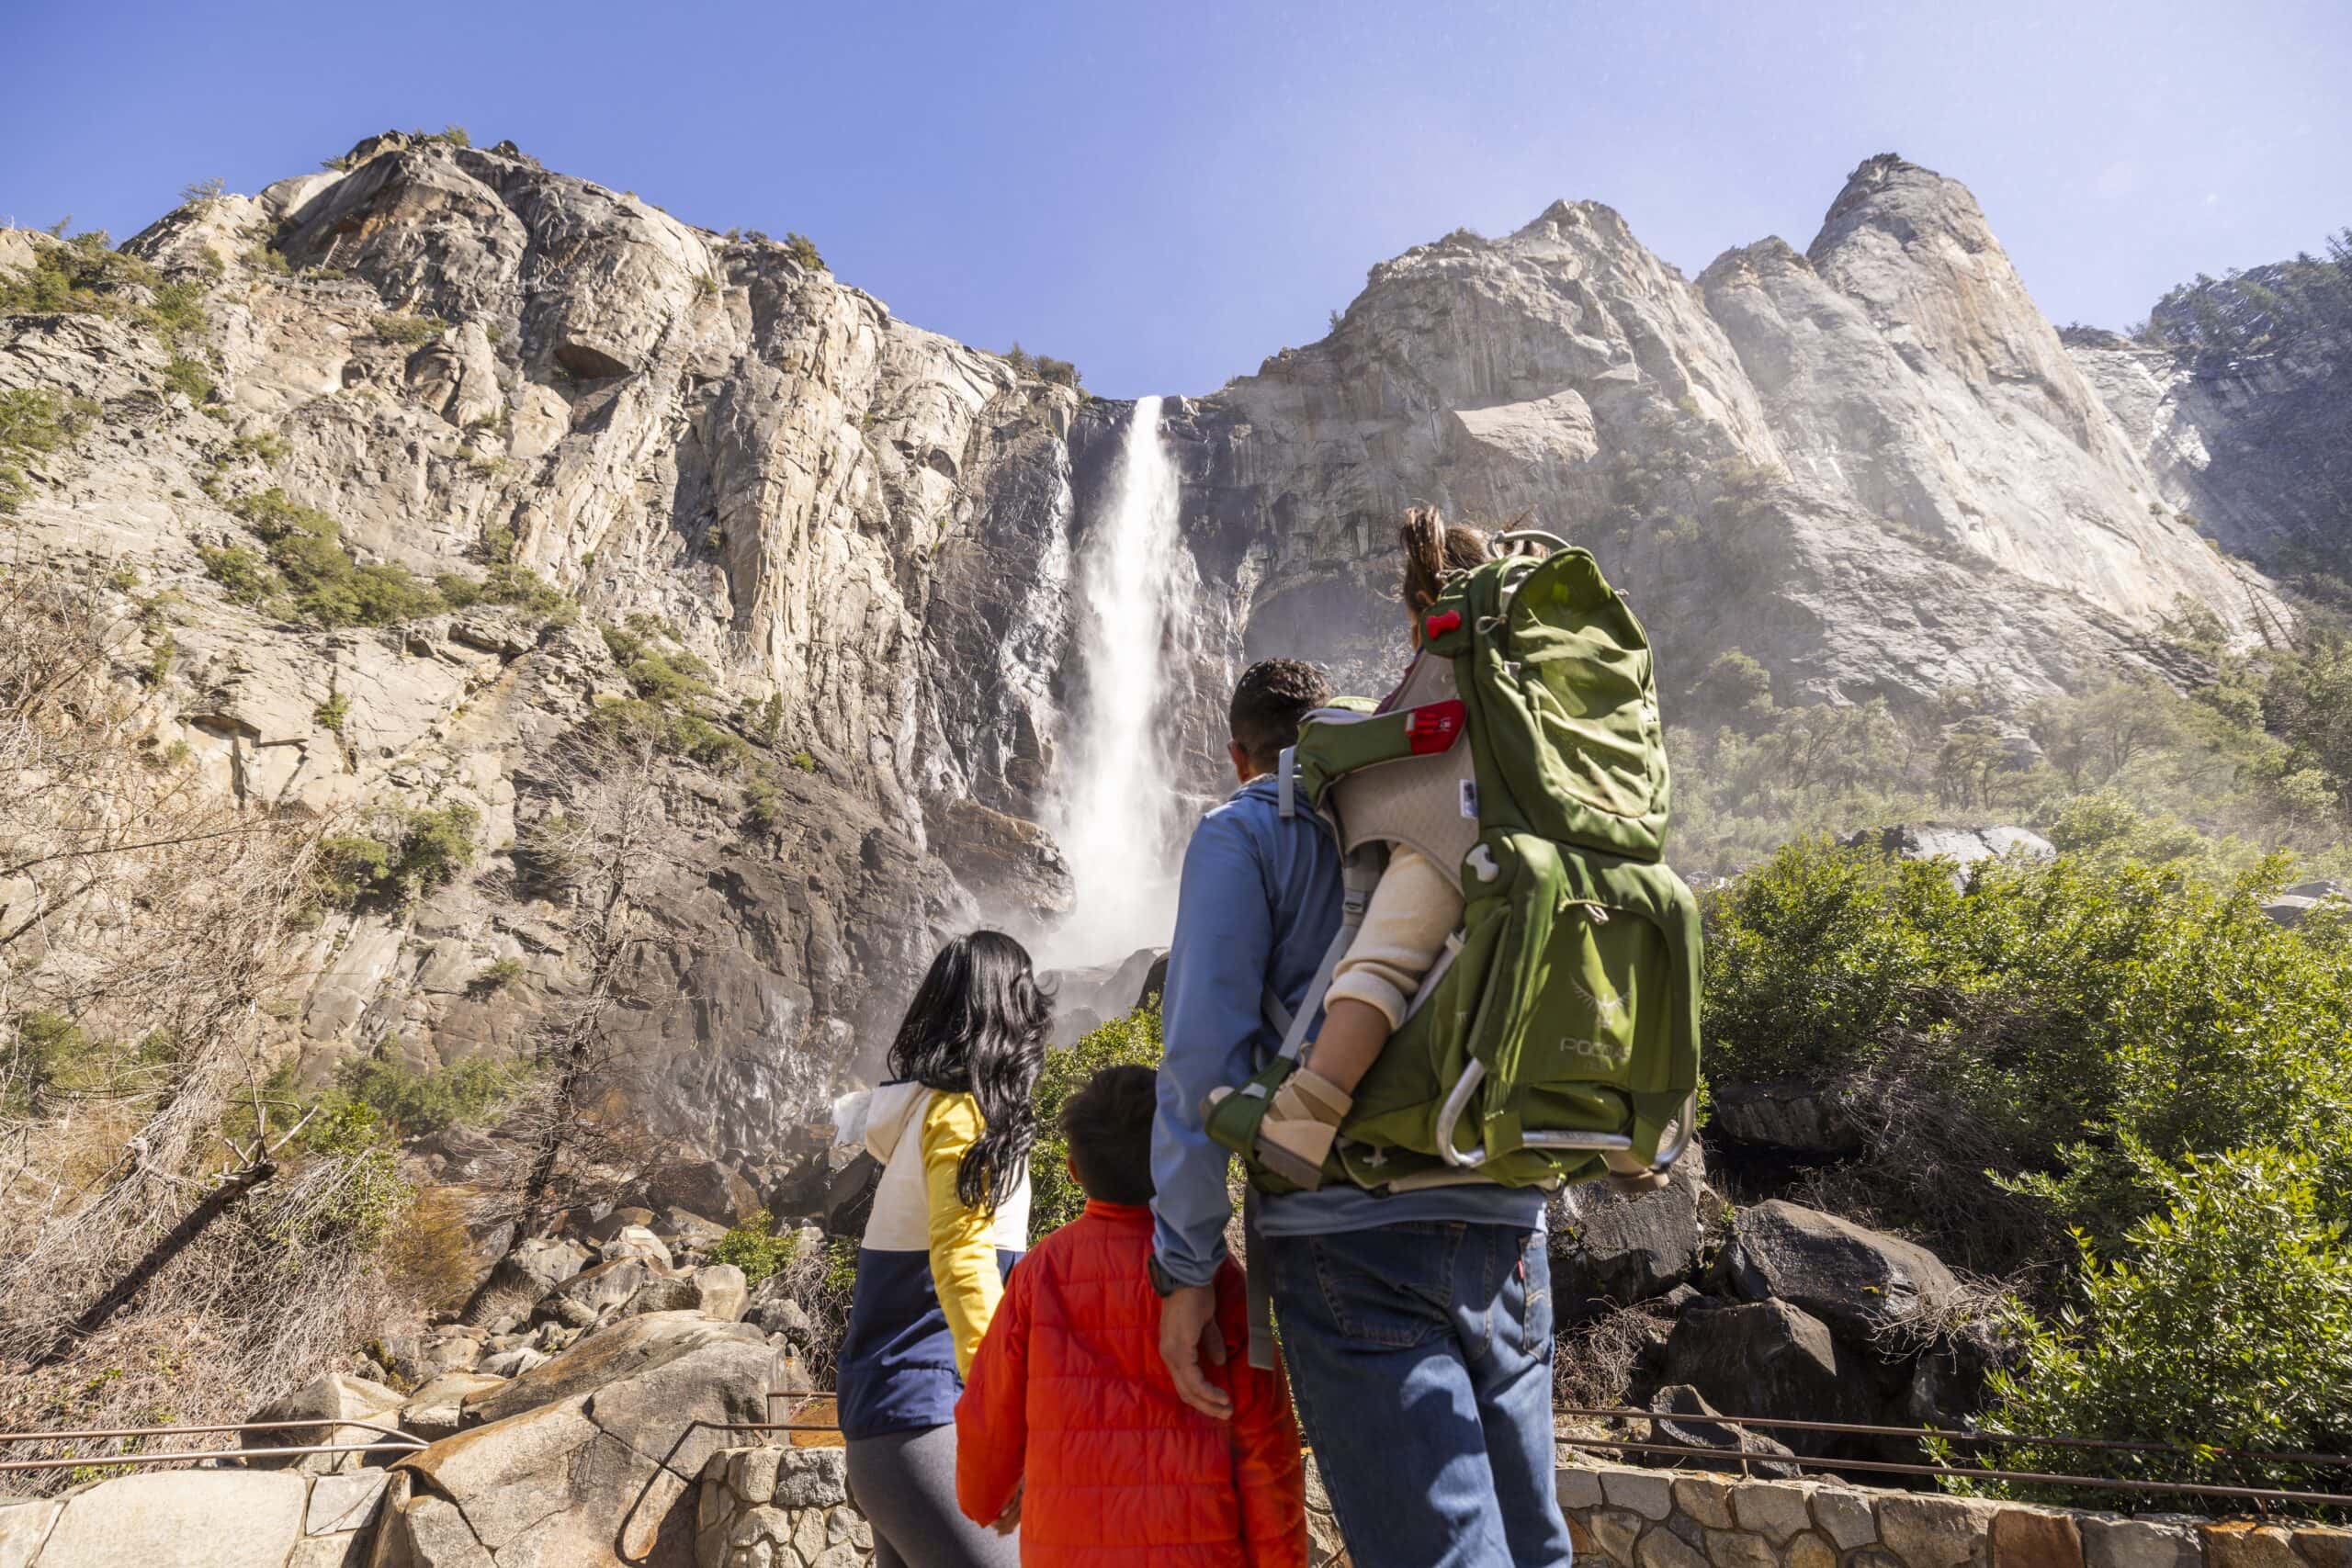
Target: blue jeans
[1422,1359]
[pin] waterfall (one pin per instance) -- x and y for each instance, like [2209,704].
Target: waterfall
[1117,813]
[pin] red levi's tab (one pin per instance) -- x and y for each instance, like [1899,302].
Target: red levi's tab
[1435,726]
[1443,621]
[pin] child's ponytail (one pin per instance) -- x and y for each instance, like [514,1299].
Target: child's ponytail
[1434,550]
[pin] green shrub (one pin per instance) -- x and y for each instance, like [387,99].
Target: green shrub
[755,1248]
[415,1102]
[409,330]
[498,975]
[34,420]
[176,311]
[188,378]
[672,691]
[265,446]
[2017,1026]
[85,277]
[333,712]
[408,852]
[804,250]
[247,576]
[1055,1197]
[2224,1321]
[326,585]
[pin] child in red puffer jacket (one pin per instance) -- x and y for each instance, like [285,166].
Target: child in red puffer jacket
[1068,1424]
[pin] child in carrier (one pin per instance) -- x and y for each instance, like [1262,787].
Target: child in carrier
[1413,910]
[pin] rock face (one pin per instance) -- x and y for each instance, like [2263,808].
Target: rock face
[1831,460]
[1872,466]
[2256,449]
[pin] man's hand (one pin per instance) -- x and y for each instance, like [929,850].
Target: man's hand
[1010,1520]
[1188,1331]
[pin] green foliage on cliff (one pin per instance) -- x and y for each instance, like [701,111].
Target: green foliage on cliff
[1055,1196]
[415,1103]
[403,852]
[2268,309]
[33,422]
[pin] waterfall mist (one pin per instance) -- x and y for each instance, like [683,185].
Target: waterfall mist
[1117,812]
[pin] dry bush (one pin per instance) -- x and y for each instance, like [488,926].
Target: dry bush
[592,846]
[1593,1362]
[144,922]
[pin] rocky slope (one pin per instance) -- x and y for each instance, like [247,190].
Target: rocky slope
[1872,466]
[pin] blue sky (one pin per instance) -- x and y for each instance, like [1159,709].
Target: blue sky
[1167,192]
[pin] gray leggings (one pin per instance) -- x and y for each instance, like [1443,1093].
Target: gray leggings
[904,1482]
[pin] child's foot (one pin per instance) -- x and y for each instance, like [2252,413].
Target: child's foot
[1300,1126]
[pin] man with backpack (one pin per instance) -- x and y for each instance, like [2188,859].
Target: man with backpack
[1418,1324]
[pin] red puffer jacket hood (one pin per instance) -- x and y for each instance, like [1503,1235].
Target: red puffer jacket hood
[1070,1401]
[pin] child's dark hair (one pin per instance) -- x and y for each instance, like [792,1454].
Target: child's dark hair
[1434,550]
[1108,1127]
[977,1026]
[1269,702]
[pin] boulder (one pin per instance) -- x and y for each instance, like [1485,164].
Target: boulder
[1950,1382]
[850,1200]
[529,1271]
[636,1241]
[330,1396]
[773,1312]
[720,1291]
[1784,1113]
[707,1188]
[589,1460]
[663,1293]
[1609,1247]
[436,1409]
[2292,903]
[594,1294]
[178,1518]
[800,1193]
[610,1224]
[1770,1359]
[1855,1280]
[1963,846]
[1680,1415]
[687,1232]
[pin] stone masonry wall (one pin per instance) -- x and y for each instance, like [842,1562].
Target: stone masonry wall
[789,1508]
[1652,1518]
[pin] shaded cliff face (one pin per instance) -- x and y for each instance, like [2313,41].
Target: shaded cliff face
[2254,444]
[1873,467]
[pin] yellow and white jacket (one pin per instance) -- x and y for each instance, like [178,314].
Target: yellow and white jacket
[930,1272]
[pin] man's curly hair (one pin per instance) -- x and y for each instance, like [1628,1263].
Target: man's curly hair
[1269,701]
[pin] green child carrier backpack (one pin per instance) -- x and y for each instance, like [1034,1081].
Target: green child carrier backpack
[1522,754]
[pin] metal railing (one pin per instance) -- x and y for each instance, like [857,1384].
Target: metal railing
[395,1441]
[1923,1435]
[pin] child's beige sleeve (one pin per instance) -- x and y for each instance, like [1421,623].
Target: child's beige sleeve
[1413,910]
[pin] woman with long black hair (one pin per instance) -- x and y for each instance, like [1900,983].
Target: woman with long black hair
[952,1127]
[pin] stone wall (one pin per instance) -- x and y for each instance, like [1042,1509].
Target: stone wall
[1653,1518]
[774,1508]
[197,1518]
[791,1508]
